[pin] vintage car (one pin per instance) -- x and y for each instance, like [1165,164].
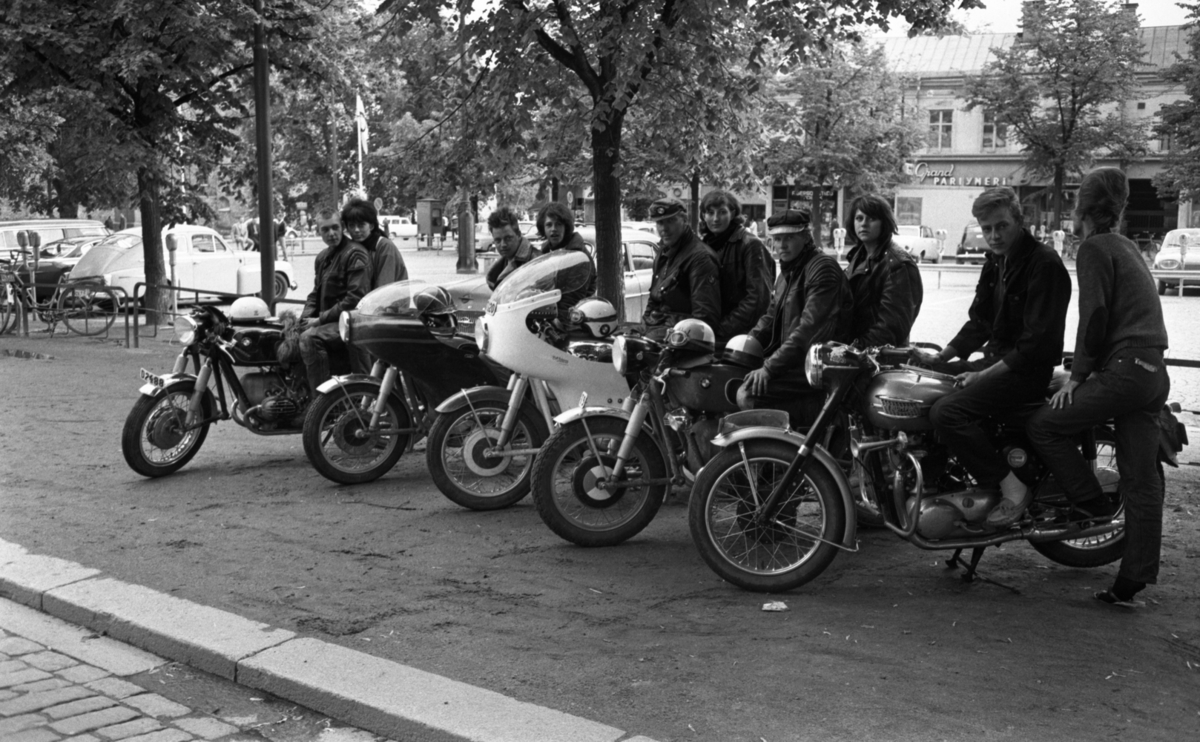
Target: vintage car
[54,260]
[637,257]
[919,242]
[1180,251]
[973,247]
[203,261]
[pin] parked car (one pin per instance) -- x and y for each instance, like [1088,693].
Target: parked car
[972,248]
[397,227]
[54,261]
[48,230]
[203,260]
[1171,257]
[641,226]
[637,257]
[919,242]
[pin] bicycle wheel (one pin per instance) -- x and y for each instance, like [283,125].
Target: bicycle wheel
[87,310]
[8,308]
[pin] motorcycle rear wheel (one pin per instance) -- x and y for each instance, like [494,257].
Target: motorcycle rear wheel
[565,475]
[1096,551]
[776,557]
[153,440]
[454,454]
[334,429]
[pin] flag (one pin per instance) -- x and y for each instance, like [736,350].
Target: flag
[360,120]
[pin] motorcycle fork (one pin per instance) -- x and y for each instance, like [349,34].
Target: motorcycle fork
[519,389]
[194,404]
[629,406]
[633,429]
[385,390]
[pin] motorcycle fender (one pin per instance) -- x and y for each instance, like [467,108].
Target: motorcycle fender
[822,456]
[337,381]
[458,400]
[170,382]
[577,413]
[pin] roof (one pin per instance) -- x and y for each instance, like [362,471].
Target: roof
[947,56]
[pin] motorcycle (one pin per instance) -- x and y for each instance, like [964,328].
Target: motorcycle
[483,442]
[772,510]
[170,421]
[359,425]
[603,474]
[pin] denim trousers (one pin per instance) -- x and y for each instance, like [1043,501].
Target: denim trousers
[958,417]
[1130,390]
[320,346]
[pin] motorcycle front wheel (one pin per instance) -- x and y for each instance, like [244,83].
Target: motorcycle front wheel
[793,548]
[567,475]
[338,440]
[1107,548]
[154,440]
[459,467]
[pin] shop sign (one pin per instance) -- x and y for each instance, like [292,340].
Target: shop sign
[923,172]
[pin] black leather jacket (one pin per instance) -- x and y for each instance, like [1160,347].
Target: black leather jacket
[887,293]
[812,304]
[685,284]
[746,281]
[343,276]
[1019,313]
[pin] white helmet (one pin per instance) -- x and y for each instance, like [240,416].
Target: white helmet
[692,335]
[597,316]
[743,350]
[249,309]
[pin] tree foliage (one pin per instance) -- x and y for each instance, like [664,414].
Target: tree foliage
[1060,87]
[1179,121]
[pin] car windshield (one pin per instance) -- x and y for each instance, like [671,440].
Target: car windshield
[392,300]
[120,241]
[1175,237]
[566,270]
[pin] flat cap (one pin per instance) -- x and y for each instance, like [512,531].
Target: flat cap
[789,221]
[665,208]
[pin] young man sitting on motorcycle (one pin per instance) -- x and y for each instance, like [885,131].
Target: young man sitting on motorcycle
[685,283]
[512,247]
[362,225]
[343,276]
[811,305]
[557,224]
[1117,373]
[1017,319]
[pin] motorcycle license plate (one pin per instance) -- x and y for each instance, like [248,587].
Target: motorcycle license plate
[154,379]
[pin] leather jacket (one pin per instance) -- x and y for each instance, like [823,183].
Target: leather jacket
[343,276]
[887,294]
[505,265]
[811,304]
[571,298]
[685,284]
[746,281]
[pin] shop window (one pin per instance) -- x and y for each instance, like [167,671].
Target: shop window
[941,129]
[995,133]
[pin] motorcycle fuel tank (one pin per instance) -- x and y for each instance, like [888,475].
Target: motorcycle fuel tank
[899,399]
[255,345]
[710,388]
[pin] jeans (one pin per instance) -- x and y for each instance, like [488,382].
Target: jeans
[791,394]
[317,345]
[958,418]
[1131,389]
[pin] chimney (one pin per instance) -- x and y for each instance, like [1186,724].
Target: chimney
[1129,13]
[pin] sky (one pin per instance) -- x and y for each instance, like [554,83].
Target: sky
[1004,16]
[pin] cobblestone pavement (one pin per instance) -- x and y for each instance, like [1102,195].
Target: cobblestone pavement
[50,696]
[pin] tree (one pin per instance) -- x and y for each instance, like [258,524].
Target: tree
[598,61]
[836,120]
[1179,122]
[1059,89]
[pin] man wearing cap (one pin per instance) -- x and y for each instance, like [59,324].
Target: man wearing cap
[685,283]
[811,304]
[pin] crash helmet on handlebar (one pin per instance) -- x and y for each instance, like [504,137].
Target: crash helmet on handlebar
[597,316]
[692,335]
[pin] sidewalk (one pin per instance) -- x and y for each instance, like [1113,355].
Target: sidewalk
[60,682]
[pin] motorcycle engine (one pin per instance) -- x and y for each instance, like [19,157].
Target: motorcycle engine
[954,514]
[271,396]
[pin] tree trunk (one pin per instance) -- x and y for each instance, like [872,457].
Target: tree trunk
[817,213]
[67,205]
[1059,179]
[610,274]
[157,300]
[694,206]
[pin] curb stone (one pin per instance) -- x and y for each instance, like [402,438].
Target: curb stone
[379,695]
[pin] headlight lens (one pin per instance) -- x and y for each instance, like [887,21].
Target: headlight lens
[344,327]
[814,367]
[185,330]
[620,357]
[1168,264]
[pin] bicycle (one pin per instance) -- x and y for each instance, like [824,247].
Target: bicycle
[85,308]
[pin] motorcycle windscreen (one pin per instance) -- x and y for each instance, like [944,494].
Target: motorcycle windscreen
[395,300]
[564,270]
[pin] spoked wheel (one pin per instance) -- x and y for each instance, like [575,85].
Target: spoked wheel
[793,547]
[464,473]
[338,439]
[155,440]
[1094,551]
[87,310]
[571,491]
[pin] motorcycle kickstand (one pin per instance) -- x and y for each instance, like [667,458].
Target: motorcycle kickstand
[973,568]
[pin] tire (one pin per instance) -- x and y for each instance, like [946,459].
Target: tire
[778,557]
[463,474]
[565,472]
[330,435]
[8,309]
[281,286]
[152,440]
[87,310]
[1096,551]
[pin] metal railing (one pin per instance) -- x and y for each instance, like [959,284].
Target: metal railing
[23,292]
[132,307]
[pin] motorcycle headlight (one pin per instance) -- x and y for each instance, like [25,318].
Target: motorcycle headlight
[185,330]
[344,327]
[814,366]
[620,357]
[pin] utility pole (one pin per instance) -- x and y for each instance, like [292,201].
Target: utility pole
[466,219]
[262,128]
